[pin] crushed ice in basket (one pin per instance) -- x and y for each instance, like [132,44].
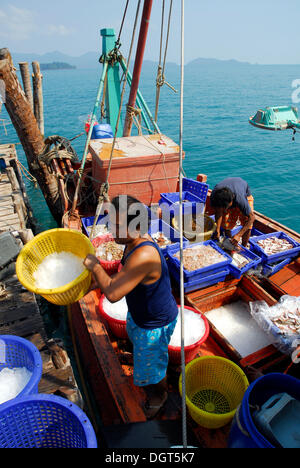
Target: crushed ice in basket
[58,269]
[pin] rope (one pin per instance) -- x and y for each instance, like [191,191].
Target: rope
[122,23]
[62,150]
[184,423]
[88,139]
[105,187]
[29,177]
[160,79]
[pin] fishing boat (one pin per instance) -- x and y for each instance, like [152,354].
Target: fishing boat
[145,166]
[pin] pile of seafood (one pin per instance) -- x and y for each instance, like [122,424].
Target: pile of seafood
[110,251]
[288,321]
[274,245]
[281,321]
[200,256]
[161,239]
[100,229]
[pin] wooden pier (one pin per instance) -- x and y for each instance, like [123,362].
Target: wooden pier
[19,310]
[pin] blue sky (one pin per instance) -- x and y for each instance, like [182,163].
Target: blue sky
[257,31]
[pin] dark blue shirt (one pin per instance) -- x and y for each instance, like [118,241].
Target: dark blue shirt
[152,305]
[240,190]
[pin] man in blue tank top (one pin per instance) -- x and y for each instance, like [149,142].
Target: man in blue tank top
[152,310]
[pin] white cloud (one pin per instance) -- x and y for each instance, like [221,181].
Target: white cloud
[16,23]
[59,29]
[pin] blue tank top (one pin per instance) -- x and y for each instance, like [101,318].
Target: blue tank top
[152,305]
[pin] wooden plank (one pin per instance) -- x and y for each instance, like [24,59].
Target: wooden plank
[112,388]
[292,286]
[12,216]
[24,328]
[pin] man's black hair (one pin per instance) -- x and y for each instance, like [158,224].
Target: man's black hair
[127,201]
[221,198]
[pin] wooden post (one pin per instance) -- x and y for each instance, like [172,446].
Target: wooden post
[24,69]
[29,134]
[38,103]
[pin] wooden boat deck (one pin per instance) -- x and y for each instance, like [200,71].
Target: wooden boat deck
[20,314]
[109,371]
[106,359]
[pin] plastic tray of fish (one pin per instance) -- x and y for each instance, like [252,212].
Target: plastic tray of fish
[198,283]
[243,261]
[199,259]
[164,235]
[274,246]
[101,228]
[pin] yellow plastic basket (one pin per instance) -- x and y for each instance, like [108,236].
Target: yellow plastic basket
[215,387]
[49,242]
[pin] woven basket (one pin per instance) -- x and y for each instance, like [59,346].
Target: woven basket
[49,242]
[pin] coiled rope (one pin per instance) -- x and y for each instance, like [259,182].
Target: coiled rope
[62,150]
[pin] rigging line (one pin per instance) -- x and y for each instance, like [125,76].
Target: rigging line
[122,23]
[161,31]
[160,80]
[104,188]
[167,39]
[184,422]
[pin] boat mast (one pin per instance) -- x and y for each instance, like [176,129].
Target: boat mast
[113,93]
[137,66]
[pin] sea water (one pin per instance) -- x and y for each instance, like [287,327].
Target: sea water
[217,138]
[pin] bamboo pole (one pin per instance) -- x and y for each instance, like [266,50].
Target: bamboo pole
[28,132]
[24,69]
[38,104]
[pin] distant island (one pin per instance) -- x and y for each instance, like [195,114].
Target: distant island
[57,66]
[90,60]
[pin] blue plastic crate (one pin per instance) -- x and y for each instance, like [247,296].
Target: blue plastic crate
[18,352]
[158,225]
[44,421]
[202,272]
[269,259]
[269,270]
[200,189]
[199,283]
[88,222]
[255,260]
[152,213]
[104,219]
[254,232]
[191,204]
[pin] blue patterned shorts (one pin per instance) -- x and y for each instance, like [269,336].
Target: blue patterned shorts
[150,352]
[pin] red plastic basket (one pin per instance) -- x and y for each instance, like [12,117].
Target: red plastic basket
[118,327]
[190,351]
[111,267]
